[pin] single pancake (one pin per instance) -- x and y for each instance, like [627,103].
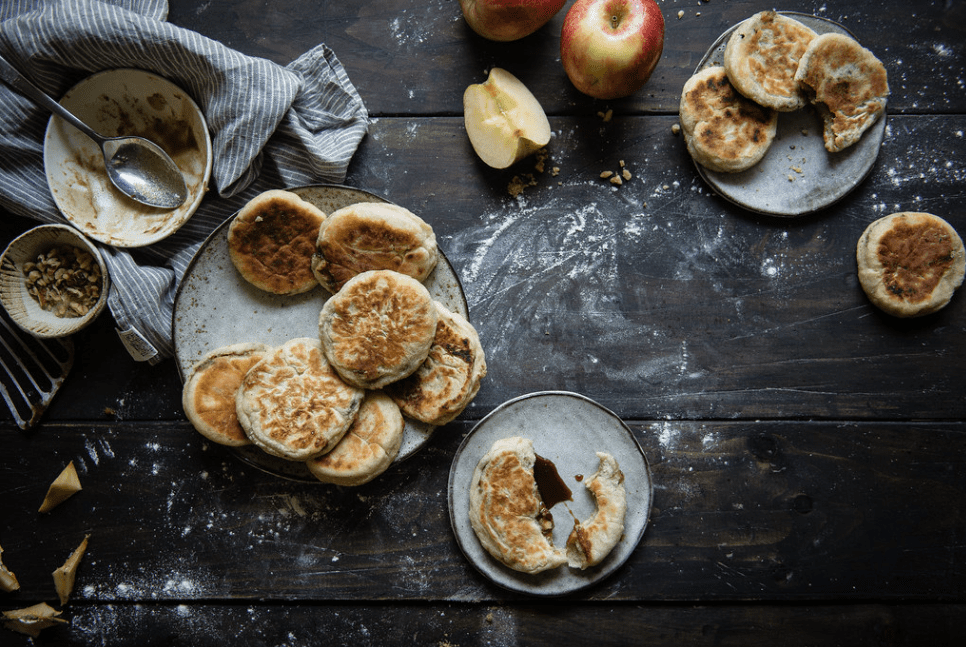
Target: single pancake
[367,448]
[724,131]
[506,511]
[910,263]
[444,384]
[271,241]
[293,405]
[378,328]
[848,83]
[208,396]
[373,236]
[761,59]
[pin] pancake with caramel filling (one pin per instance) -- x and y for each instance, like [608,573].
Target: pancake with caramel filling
[449,379]
[378,328]
[293,405]
[724,130]
[910,264]
[373,236]
[271,241]
[506,511]
[208,396]
[761,59]
[593,539]
[848,83]
[368,447]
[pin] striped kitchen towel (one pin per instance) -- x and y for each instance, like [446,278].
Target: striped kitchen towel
[272,126]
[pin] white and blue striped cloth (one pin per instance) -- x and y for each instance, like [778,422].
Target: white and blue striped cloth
[272,126]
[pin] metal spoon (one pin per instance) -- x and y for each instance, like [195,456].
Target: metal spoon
[138,167]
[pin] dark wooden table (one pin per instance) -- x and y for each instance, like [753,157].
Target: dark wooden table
[808,452]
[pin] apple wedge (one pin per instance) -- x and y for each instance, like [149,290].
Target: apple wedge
[504,121]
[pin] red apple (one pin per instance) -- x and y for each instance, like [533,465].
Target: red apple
[610,47]
[508,19]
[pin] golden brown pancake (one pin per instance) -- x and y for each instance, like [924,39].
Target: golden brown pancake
[910,263]
[208,396]
[848,82]
[444,384]
[378,328]
[761,59]
[368,447]
[271,241]
[724,130]
[506,511]
[373,236]
[593,539]
[293,405]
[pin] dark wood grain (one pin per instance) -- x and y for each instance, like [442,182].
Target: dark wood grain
[742,511]
[413,57]
[807,450]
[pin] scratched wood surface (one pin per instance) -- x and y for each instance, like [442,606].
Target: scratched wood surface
[807,450]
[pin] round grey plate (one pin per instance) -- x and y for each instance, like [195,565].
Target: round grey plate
[797,176]
[568,429]
[215,307]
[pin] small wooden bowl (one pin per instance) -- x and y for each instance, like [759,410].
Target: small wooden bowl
[23,308]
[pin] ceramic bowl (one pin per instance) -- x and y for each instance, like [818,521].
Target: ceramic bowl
[24,309]
[125,102]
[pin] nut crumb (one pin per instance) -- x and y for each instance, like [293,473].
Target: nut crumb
[680,14]
[606,174]
[616,179]
[626,174]
[676,129]
[555,171]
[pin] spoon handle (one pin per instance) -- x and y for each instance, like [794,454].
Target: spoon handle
[21,84]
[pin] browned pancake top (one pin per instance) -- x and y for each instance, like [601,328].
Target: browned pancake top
[272,241]
[366,237]
[513,499]
[914,257]
[779,44]
[214,392]
[847,79]
[722,109]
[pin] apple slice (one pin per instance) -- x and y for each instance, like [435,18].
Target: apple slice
[504,121]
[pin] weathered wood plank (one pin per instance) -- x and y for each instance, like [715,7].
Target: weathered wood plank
[384,46]
[742,511]
[470,625]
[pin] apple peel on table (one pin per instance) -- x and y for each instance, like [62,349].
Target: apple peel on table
[504,121]
[506,20]
[609,48]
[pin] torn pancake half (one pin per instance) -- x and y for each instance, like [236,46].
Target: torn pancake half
[368,448]
[593,539]
[506,510]
[208,395]
[910,263]
[373,236]
[762,56]
[293,405]
[271,241]
[848,83]
[724,130]
[448,380]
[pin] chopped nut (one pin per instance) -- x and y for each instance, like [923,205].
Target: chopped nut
[63,277]
[680,14]
[616,180]
[676,129]
[606,174]
[626,174]
[555,171]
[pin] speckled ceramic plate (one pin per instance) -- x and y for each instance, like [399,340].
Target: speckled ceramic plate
[567,429]
[215,307]
[125,102]
[797,176]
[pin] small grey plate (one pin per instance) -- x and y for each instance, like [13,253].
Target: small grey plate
[567,429]
[215,307]
[797,176]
